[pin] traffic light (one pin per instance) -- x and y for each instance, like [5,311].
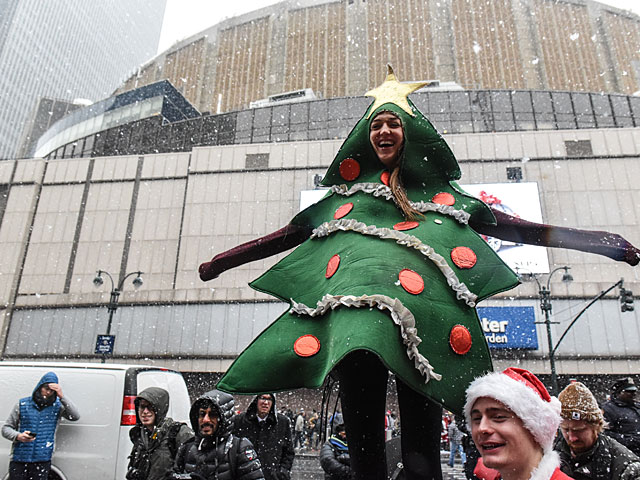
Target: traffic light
[626,300]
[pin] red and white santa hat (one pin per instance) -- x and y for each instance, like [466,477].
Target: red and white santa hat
[525,395]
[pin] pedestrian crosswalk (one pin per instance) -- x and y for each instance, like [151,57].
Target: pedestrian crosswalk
[455,473]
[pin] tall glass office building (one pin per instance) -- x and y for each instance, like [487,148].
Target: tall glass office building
[66,50]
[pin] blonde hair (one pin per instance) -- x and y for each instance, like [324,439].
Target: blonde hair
[400,195]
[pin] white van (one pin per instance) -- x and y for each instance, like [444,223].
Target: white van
[97,445]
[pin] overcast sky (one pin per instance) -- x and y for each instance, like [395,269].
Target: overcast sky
[183,18]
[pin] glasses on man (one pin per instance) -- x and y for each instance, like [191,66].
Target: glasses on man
[265,398]
[145,406]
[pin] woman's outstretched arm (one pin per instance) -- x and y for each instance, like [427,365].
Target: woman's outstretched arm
[521,231]
[508,228]
[287,237]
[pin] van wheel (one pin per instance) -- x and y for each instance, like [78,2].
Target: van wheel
[54,476]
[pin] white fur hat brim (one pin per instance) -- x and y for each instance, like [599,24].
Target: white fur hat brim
[540,417]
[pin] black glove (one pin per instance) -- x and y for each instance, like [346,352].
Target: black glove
[284,475]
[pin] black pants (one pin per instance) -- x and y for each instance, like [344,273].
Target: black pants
[363,394]
[29,471]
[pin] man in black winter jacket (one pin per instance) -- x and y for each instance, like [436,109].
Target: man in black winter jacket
[215,453]
[622,413]
[270,434]
[585,452]
[334,456]
[155,437]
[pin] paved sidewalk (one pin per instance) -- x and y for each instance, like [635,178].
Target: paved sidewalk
[455,473]
[306,466]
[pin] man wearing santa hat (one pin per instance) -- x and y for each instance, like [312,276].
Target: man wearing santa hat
[513,423]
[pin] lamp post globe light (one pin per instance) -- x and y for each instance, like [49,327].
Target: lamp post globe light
[114,298]
[545,306]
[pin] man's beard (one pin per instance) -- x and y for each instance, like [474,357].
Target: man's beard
[42,401]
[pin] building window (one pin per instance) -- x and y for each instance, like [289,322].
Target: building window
[578,148]
[514,174]
[256,160]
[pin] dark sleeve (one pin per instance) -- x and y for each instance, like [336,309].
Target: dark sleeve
[179,462]
[613,425]
[184,435]
[330,463]
[247,463]
[287,237]
[518,230]
[288,453]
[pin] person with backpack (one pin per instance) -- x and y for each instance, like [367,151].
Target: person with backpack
[334,456]
[215,453]
[155,437]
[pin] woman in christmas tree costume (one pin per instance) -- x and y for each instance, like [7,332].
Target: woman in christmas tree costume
[386,277]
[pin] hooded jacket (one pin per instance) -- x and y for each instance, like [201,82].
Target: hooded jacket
[221,456]
[335,460]
[39,415]
[606,460]
[624,423]
[154,451]
[271,438]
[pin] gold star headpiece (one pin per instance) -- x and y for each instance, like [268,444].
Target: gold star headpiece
[392,91]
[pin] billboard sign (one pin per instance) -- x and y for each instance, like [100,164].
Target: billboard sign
[509,327]
[517,199]
[520,200]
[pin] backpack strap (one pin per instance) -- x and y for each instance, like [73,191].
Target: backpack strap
[172,435]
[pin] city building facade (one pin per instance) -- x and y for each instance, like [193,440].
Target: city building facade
[65,51]
[150,180]
[162,214]
[337,48]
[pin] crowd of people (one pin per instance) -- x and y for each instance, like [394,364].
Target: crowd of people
[519,431]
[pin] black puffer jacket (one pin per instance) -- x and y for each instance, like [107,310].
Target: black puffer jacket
[335,460]
[222,456]
[607,460]
[624,423]
[153,452]
[271,438]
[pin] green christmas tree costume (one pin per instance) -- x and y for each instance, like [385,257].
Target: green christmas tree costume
[368,279]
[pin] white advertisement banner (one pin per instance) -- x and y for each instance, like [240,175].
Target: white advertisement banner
[518,199]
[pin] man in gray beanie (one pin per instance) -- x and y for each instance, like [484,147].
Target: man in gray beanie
[585,452]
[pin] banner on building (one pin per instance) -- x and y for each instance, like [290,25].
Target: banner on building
[509,327]
[517,199]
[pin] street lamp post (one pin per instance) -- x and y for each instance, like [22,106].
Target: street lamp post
[545,306]
[115,295]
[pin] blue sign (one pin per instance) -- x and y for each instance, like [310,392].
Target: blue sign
[509,327]
[104,344]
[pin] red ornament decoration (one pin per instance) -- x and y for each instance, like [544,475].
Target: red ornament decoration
[411,281]
[332,266]
[405,226]
[460,339]
[342,211]
[443,198]
[349,169]
[463,257]
[384,178]
[306,346]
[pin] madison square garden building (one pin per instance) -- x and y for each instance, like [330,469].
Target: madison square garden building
[535,98]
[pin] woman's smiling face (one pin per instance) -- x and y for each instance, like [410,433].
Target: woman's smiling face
[387,138]
[502,439]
